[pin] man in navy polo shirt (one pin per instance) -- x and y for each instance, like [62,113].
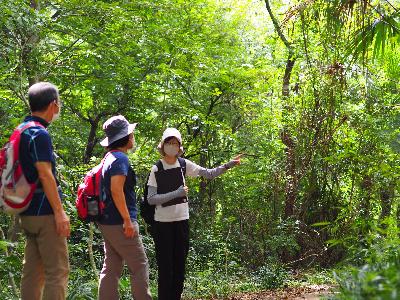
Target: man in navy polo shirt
[45,223]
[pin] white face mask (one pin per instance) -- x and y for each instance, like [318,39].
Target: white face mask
[132,141]
[56,116]
[133,149]
[171,150]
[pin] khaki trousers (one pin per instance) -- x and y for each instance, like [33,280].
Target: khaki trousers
[46,264]
[119,249]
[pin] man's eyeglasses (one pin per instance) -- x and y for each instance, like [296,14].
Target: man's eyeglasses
[58,103]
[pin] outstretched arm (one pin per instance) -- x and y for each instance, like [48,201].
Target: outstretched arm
[212,173]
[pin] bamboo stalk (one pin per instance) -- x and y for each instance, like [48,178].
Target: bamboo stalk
[90,249]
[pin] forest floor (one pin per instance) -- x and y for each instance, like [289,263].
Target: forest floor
[309,292]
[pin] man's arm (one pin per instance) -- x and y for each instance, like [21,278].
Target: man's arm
[49,185]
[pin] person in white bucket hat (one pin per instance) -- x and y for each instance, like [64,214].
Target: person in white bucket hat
[118,224]
[168,192]
[170,132]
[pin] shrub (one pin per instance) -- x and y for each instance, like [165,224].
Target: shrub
[379,276]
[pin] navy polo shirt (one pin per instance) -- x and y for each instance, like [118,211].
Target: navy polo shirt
[36,146]
[117,163]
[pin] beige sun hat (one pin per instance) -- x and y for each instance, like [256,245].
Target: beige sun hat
[170,132]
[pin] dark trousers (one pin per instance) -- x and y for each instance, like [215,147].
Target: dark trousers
[172,247]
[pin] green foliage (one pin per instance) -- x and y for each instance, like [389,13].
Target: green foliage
[215,270]
[270,276]
[211,282]
[377,276]
[81,288]
[213,69]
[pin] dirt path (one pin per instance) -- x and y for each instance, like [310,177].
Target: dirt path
[311,292]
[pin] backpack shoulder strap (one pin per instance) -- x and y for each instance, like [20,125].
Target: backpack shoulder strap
[159,165]
[182,162]
[105,156]
[25,126]
[100,169]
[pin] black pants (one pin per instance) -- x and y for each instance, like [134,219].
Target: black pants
[172,247]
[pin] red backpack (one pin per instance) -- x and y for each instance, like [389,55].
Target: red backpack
[89,203]
[15,191]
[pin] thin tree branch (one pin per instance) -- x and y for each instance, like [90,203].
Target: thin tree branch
[53,63]
[77,112]
[185,90]
[276,25]
[392,6]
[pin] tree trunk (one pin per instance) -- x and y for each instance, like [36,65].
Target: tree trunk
[288,72]
[366,190]
[291,177]
[385,204]
[91,141]
[386,196]
[398,218]
[31,43]
[203,182]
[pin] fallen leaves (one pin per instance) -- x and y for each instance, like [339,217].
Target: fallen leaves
[310,292]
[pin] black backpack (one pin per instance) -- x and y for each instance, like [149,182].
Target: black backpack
[146,210]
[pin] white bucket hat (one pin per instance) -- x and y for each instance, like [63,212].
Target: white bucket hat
[170,132]
[116,128]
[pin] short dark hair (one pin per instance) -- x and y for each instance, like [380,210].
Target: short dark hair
[122,142]
[170,138]
[41,94]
